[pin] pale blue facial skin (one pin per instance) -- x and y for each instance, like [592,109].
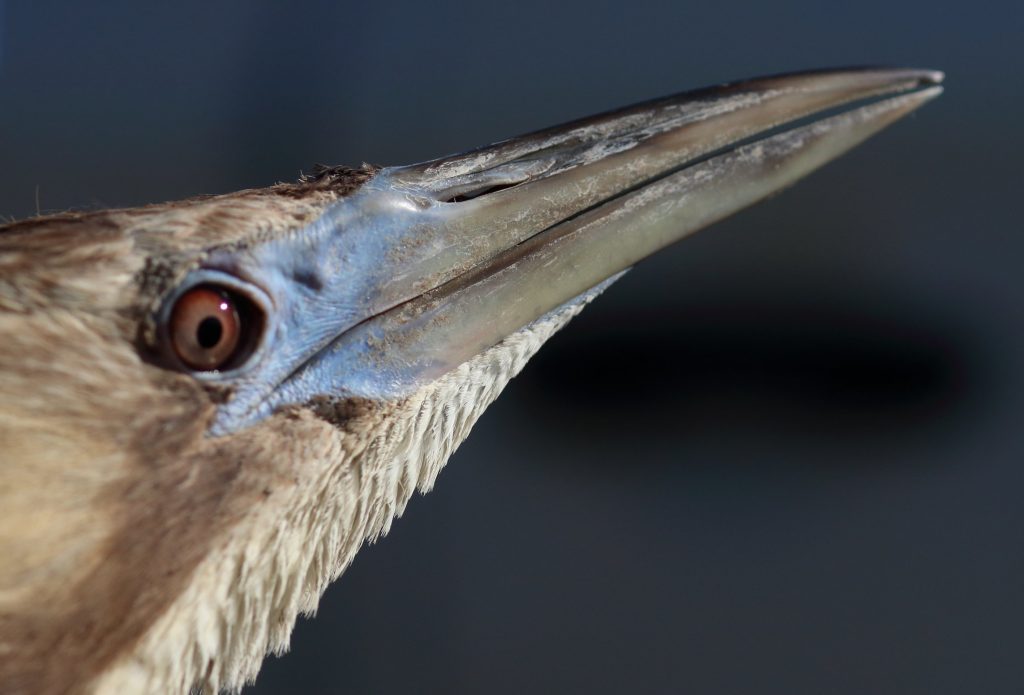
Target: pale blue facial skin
[316,284]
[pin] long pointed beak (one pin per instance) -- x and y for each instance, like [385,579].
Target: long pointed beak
[471,248]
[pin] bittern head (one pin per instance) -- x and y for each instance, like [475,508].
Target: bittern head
[206,407]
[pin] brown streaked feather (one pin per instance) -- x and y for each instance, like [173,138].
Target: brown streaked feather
[109,493]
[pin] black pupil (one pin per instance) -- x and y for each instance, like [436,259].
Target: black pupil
[209,332]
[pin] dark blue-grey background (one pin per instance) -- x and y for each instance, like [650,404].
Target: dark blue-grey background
[785,456]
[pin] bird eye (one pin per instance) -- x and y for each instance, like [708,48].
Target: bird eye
[207,325]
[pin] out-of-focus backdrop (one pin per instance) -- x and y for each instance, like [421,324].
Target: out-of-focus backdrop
[784,456]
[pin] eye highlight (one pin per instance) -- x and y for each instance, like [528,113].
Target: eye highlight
[206,327]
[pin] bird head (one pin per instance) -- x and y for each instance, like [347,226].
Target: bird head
[206,407]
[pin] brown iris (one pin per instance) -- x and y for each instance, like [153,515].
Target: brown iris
[205,327]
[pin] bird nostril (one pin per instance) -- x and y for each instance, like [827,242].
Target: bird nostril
[479,192]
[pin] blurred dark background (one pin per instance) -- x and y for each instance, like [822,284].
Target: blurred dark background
[784,456]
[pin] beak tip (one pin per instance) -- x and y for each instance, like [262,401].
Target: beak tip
[932,76]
